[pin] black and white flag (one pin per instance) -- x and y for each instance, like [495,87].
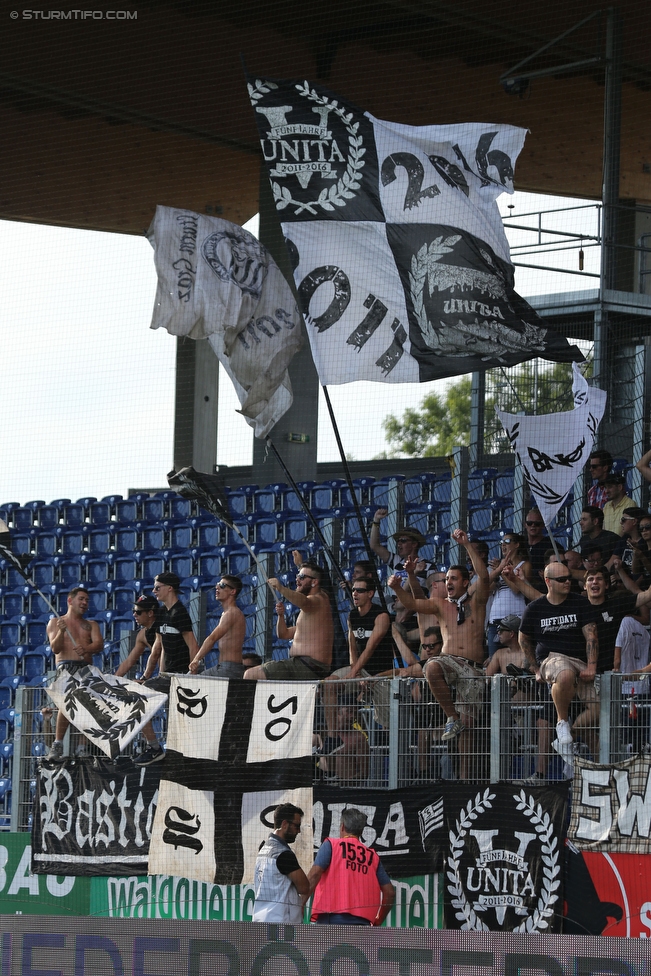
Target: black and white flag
[110,711]
[553,448]
[217,282]
[611,806]
[396,242]
[93,816]
[504,857]
[235,750]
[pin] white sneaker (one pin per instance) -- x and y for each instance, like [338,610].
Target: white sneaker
[563,733]
[565,751]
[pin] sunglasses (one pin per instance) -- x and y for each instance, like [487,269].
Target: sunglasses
[430,647]
[529,522]
[303,576]
[558,579]
[223,586]
[159,587]
[138,612]
[405,538]
[360,589]
[645,528]
[627,518]
[506,542]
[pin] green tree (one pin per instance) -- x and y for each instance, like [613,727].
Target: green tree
[443,421]
[438,425]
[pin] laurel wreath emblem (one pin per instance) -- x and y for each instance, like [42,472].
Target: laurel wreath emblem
[258,89]
[420,263]
[341,191]
[543,826]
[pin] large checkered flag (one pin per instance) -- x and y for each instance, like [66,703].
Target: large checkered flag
[399,255]
[235,750]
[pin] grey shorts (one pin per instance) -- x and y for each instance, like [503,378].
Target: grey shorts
[226,669]
[555,664]
[296,669]
[71,666]
[466,677]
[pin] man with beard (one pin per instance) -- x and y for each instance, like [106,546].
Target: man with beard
[280,884]
[459,665]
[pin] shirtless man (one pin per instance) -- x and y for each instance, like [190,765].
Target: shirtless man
[73,641]
[230,632]
[311,651]
[461,618]
[144,610]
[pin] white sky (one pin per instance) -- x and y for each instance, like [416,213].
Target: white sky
[87,390]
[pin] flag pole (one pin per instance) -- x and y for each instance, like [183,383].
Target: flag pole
[307,510]
[349,480]
[554,543]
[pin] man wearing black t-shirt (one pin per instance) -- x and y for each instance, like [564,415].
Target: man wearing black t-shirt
[370,645]
[611,608]
[558,634]
[175,646]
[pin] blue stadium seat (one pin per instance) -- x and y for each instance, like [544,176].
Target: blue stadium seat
[23,519]
[127,511]
[122,624]
[74,516]
[97,600]
[152,538]
[154,509]
[100,513]
[124,598]
[209,565]
[125,568]
[151,564]
[504,484]
[43,571]
[238,561]
[322,498]
[35,632]
[13,601]
[70,570]
[481,519]
[476,490]
[35,662]
[291,501]
[46,543]
[209,534]
[181,563]
[12,631]
[37,604]
[296,530]
[266,500]
[8,664]
[86,503]
[265,530]
[72,542]
[239,502]
[180,508]
[6,759]
[181,535]
[11,683]
[418,488]
[21,543]
[126,539]
[48,517]
[112,501]
[7,512]
[100,540]
[60,504]
[98,569]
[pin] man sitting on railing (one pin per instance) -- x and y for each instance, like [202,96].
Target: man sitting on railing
[459,665]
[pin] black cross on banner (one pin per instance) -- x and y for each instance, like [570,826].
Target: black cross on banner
[235,750]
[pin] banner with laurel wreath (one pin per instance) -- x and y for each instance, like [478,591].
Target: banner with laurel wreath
[397,245]
[505,856]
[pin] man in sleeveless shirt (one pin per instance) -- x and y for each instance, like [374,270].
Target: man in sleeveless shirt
[280,885]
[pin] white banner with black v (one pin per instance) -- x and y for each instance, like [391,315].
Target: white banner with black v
[235,750]
[553,448]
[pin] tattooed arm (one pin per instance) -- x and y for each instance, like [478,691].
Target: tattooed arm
[528,648]
[592,651]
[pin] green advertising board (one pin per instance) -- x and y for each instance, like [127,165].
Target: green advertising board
[22,892]
[419,902]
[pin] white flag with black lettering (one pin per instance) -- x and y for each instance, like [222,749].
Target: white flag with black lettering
[553,448]
[396,242]
[217,282]
[235,750]
[110,711]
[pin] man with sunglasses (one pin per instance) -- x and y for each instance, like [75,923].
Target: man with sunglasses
[174,647]
[558,635]
[229,632]
[408,542]
[310,656]
[279,882]
[145,610]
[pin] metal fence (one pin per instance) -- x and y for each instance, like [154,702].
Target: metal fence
[387,733]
